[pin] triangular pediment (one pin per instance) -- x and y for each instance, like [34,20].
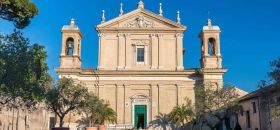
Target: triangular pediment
[141,19]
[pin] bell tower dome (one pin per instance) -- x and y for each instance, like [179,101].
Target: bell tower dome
[70,56]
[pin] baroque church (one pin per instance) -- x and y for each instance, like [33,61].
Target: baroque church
[140,64]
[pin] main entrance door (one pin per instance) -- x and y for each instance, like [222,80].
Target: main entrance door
[140,116]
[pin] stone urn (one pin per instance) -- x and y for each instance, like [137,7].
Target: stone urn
[92,128]
[61,128]
[101,127]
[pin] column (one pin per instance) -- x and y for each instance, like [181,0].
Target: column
[217,46]
[121,51]
[161,51]
[128,51]
[154,56]
[76,42]
[63,48]
[206,41]
[179,42]
[80,48]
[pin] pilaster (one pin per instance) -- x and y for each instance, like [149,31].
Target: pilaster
[180,94]
[179,51]
[128,107]
[100,62]
[121,51]
[120,104]
[155,100]
[128,56]
[161,51]
[155,51]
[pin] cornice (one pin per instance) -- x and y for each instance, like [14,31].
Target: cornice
[158,73]
[213,70]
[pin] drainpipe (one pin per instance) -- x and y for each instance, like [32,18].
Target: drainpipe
[97,80]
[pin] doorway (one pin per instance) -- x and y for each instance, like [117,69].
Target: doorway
[140,116]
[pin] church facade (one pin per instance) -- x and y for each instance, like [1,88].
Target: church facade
[140,64]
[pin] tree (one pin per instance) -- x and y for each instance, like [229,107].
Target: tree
[274,74]
[18,11]
[161,121]
[98,111]
[91,107]
[66,96]
[23,72]
[268,89]
[213,105]
[105,113]
[182,114]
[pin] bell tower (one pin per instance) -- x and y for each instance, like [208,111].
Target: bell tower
[70,56]
[211,59]
[210,47]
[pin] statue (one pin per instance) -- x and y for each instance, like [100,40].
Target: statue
[140,21]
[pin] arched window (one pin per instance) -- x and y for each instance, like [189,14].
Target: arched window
[69,46]
[211,46]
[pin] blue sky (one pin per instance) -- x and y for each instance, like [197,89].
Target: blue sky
[249,38]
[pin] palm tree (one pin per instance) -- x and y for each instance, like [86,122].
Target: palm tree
[182,114]
[91,107]
[98,111]
[160,121]
[106,113]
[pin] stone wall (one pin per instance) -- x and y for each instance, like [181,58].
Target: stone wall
[24,120]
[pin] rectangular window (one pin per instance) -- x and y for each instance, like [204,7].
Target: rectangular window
[254,107]
[248,120]
[140,54]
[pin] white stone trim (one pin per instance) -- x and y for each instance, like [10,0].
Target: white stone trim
[136,54]
[141,102]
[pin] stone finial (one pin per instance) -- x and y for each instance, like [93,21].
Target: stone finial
[121,9]
[178,17]
[209,22]
[103,16]
[72,22]
[141,4]
[160,9]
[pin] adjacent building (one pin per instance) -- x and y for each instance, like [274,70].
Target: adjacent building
[260,109]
